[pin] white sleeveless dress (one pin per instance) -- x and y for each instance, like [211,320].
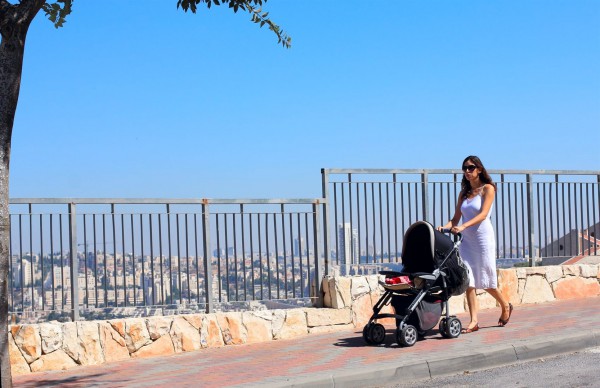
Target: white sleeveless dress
[478,248]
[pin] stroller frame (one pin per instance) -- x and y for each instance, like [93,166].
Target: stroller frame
[406,333]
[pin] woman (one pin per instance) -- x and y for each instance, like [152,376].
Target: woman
[478,245]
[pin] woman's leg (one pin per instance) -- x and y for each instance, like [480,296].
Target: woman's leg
[501,301]
[473,306]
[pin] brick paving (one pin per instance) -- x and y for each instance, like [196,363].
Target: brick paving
[320,359]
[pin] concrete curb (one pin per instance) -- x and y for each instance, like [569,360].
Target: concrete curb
[495,357]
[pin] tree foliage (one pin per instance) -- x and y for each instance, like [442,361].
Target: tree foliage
[58,11]
[253,7]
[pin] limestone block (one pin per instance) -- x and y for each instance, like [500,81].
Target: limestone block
[258,328]
[232,329]
[18,365]
[295,324]
[14,329]
[359,287]
[195,320]
[119,326]
[161,347]
[115,348]
[553,273]
[485,300]
[522,283]
[210,332]
[158,326]
[386,309]
[326,317]
[29,342]
[535,271]
[573,270]
[373,281]
[52,337]
[522,273]
[341,292]
[278,320]
[508,284]
[589,270]
[185,337]
[57,360]
[70,341]
[326,291]
[362,310]
[537,290]
[457,304]
[90,350]
[330,329]
[576,287]
[136,334]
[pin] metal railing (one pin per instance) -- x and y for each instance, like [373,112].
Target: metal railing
[535,214]
[74,258]
[176,255]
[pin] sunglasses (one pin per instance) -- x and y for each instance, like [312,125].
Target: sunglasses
[469,168]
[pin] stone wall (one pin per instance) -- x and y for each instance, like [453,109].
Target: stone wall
[349,304]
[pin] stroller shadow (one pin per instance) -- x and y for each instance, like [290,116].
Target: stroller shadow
[390,340]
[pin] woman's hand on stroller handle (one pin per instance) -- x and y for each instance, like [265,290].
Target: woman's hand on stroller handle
[449,231]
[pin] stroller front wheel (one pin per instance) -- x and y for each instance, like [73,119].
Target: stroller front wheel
[407,336]
[453,327]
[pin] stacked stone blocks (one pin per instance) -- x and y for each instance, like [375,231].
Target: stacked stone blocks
[348,305]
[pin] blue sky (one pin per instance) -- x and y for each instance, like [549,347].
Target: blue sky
[138,99]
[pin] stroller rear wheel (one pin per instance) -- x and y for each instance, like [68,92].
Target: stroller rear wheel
[377,333]
[366,335]
[374,333]
[407,336]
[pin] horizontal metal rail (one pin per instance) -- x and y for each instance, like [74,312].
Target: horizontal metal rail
[184,255]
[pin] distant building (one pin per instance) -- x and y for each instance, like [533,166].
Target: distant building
[299,246]
[348,246]
[572,246]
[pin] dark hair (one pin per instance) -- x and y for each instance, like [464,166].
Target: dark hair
[465,185]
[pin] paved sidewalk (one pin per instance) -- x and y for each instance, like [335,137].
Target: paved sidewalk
[342,358]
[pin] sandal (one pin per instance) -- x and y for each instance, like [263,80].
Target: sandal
[470,330]
[504,322]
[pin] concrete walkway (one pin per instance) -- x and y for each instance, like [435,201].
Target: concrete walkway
[342,358]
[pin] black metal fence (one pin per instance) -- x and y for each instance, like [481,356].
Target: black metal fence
[86,258]
[536,213]
[145,256]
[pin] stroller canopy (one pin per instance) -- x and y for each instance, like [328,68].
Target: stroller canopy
[425,249]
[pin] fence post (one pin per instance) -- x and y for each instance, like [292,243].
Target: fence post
[425,195]
[74,262]
[326,226]
[530,216]
[318,279]
[207,259]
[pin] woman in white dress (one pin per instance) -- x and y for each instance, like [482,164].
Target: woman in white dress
[479,244]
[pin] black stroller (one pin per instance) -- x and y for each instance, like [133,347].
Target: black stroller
[432,272]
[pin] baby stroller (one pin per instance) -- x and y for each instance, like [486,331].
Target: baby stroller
[432,272]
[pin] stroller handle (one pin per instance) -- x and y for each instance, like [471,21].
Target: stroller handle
[448,231]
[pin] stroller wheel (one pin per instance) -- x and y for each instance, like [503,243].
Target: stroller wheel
[442,327]
[377,333]
[407,336]
[367,334]
[453,328]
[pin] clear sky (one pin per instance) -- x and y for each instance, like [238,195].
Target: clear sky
[139,99]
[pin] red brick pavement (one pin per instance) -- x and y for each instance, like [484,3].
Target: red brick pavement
[280,363]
